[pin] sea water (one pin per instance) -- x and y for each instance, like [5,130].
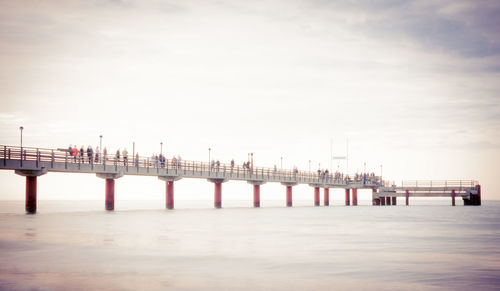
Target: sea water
[76,245]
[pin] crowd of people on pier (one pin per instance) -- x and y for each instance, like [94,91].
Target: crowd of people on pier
[89,155]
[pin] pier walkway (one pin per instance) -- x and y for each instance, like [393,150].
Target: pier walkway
[33,162]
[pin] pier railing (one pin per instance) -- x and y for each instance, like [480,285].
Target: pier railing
[64,155]
[439,183]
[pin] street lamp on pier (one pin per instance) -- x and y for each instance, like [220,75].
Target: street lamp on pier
[100,144]
[21,129]
[281,163]
[209,149]
[309,165]
[161,148]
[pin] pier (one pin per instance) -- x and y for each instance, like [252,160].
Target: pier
[34,162]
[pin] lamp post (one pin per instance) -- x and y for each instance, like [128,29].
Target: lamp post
[21,129]
[209,149]
[364,169]
[251,155]
[281,163]
[161,148]
[309,165]
[100,144]
[380,173]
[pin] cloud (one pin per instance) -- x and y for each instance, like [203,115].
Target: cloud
[469,29]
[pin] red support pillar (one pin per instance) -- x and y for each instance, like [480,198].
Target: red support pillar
[347,198]
[382,200]
[256,195]
[218,195]
[110,194]
[354,197]
[394,200]
[169,197]
[453,197]
[407,198]
[289,202]
[326,196]
[316,196]
[30,194]
[388,200]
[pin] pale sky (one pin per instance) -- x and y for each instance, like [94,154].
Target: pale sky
[413,85]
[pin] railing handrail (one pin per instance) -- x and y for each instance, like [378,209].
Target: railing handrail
[64,155]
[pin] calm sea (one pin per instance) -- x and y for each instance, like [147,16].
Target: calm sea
[75,245]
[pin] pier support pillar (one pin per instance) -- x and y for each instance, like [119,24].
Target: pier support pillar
[374,201]
[326,197]
[453,197]
[407,196]
[31,188]
[109,201]
[388,200]
[31,194]
[110,194]
[289,202]
[169,197]
[218,195]
[256,191]
[217,191]
[316,196]
[169,189]
[354,197]
[256,195]
[289,186]
[394,200]
[382,200]
[347,198]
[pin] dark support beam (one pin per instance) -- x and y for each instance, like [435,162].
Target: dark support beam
[110,194]
[326,196]
[31,194]
[316,196]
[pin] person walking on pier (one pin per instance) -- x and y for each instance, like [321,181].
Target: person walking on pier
[137,160]
[117,157]
[218,165]
[105,155]
[232,165]
[96,155]
[74,152]
[179,160]
[89,154]
[125,157]
[82,155]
